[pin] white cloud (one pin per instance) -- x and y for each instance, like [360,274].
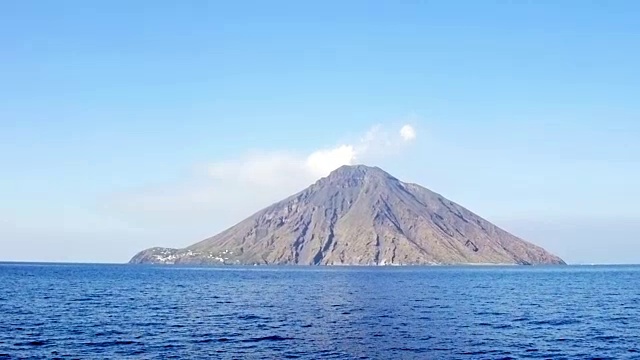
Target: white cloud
[263,169]
[408,133]
[231,189]
[322,162]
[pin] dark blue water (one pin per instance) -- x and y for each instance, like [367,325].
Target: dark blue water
[113,311]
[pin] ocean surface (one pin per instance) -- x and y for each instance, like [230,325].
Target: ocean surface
[160,312]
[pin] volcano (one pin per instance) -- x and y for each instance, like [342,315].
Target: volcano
[358,215]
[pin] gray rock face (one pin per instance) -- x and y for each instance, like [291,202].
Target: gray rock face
[359,215]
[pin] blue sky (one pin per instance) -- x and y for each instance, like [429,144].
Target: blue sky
[125,125]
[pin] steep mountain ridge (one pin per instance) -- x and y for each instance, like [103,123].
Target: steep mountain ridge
[359,215]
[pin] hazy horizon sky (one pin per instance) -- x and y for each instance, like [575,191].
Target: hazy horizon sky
[126,125]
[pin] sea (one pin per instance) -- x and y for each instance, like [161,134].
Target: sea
[82,311]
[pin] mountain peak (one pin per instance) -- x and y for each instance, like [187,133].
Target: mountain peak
[358,172]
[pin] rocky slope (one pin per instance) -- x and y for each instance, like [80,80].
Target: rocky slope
[359,215]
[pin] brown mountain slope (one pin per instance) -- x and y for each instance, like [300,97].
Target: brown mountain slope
[359,215]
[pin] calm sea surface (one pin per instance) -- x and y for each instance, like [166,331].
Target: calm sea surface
[119,311]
